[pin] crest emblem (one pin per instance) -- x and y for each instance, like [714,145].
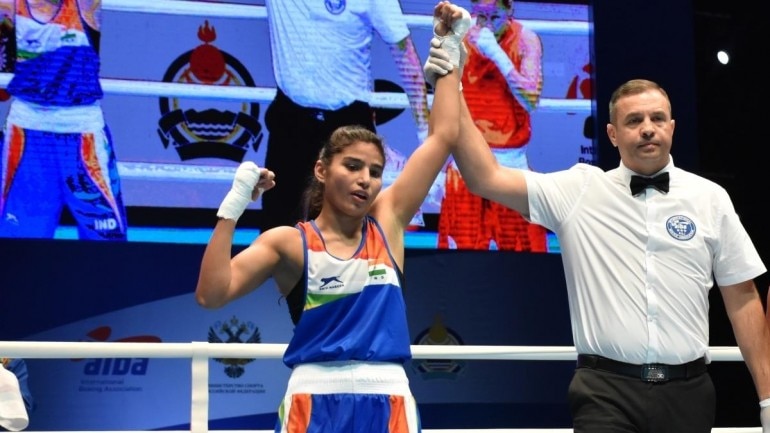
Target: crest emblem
[681,227]
[205,128]
[438,334]
[234,331]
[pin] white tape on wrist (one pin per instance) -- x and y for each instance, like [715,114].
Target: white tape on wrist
[238,198]
[232,206]
[764,403]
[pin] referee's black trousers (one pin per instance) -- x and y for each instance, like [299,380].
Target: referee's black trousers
[604,402]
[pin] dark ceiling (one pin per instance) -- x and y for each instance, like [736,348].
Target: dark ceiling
[730,101]
[727,95]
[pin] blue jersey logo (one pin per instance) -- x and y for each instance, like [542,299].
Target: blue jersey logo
[335,7]
[680,227]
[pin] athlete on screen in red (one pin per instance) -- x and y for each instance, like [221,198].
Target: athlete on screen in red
[502,82]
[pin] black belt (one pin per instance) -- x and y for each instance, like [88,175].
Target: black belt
[645,372]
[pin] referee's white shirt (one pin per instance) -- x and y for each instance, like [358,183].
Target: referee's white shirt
[639,269]
[322,49]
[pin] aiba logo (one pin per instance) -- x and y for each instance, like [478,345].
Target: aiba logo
[116,366]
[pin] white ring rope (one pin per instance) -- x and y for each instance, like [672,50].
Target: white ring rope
[263,94]
[62,349]
[199,351]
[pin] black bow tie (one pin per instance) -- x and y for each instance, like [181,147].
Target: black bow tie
[640,183]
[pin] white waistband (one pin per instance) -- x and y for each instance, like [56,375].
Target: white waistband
[80,119]
[356,377]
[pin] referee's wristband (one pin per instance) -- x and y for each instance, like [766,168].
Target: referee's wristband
[764,403]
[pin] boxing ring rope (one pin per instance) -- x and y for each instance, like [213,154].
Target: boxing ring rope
[201,352]
[61,349]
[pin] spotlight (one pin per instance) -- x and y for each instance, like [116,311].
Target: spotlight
[723,57]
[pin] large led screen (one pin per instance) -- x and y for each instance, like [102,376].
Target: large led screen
[187,86]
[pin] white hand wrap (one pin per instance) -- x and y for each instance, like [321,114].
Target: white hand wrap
[488,46]
[14,416]
[240,194]
[764,415]
[452,42]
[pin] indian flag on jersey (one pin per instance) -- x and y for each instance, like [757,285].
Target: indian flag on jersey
[380,273]
[331,279]
[64,29]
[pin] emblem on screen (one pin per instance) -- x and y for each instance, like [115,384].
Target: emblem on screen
[438,334]
[234,331]
[206,128]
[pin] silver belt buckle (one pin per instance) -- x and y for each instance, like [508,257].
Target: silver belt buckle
[654,373]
